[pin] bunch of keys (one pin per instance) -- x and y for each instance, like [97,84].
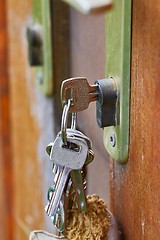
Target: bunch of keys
[70,152]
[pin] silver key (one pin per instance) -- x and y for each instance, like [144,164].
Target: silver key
[65,158]
[77,134]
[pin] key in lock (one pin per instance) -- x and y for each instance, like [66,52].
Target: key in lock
[81,94]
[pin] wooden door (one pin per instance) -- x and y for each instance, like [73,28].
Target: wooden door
[6,178]
[28,119]
[135,187]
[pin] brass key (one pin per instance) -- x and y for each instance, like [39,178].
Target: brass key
[80,92]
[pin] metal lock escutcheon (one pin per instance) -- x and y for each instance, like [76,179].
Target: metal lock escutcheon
[40,45]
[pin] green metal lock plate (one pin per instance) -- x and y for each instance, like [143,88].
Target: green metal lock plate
[42,18]
[118,51]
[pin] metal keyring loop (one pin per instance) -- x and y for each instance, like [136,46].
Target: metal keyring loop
[64,121]
[74,120]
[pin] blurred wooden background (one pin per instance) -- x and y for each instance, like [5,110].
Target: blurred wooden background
[29,120]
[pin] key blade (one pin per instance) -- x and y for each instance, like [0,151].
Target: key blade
[93,92]
[57,171]
[59,219]
[52,207]
[93,97]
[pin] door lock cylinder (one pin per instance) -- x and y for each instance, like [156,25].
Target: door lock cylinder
[104,92]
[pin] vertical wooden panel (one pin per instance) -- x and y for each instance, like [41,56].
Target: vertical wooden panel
[6,186]
[135,186]
[32,117]
[32,128]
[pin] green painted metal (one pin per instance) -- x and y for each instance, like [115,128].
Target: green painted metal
[118,51]
[87,6]
[44,73]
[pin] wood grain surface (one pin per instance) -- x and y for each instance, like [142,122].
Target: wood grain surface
[6,186]
[31,125]
[33,117]
[26,124]
[135,187]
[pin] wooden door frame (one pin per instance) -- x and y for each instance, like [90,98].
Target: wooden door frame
[135,186]
[6,191]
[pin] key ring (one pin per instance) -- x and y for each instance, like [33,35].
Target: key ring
[74,120]
[64,121]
